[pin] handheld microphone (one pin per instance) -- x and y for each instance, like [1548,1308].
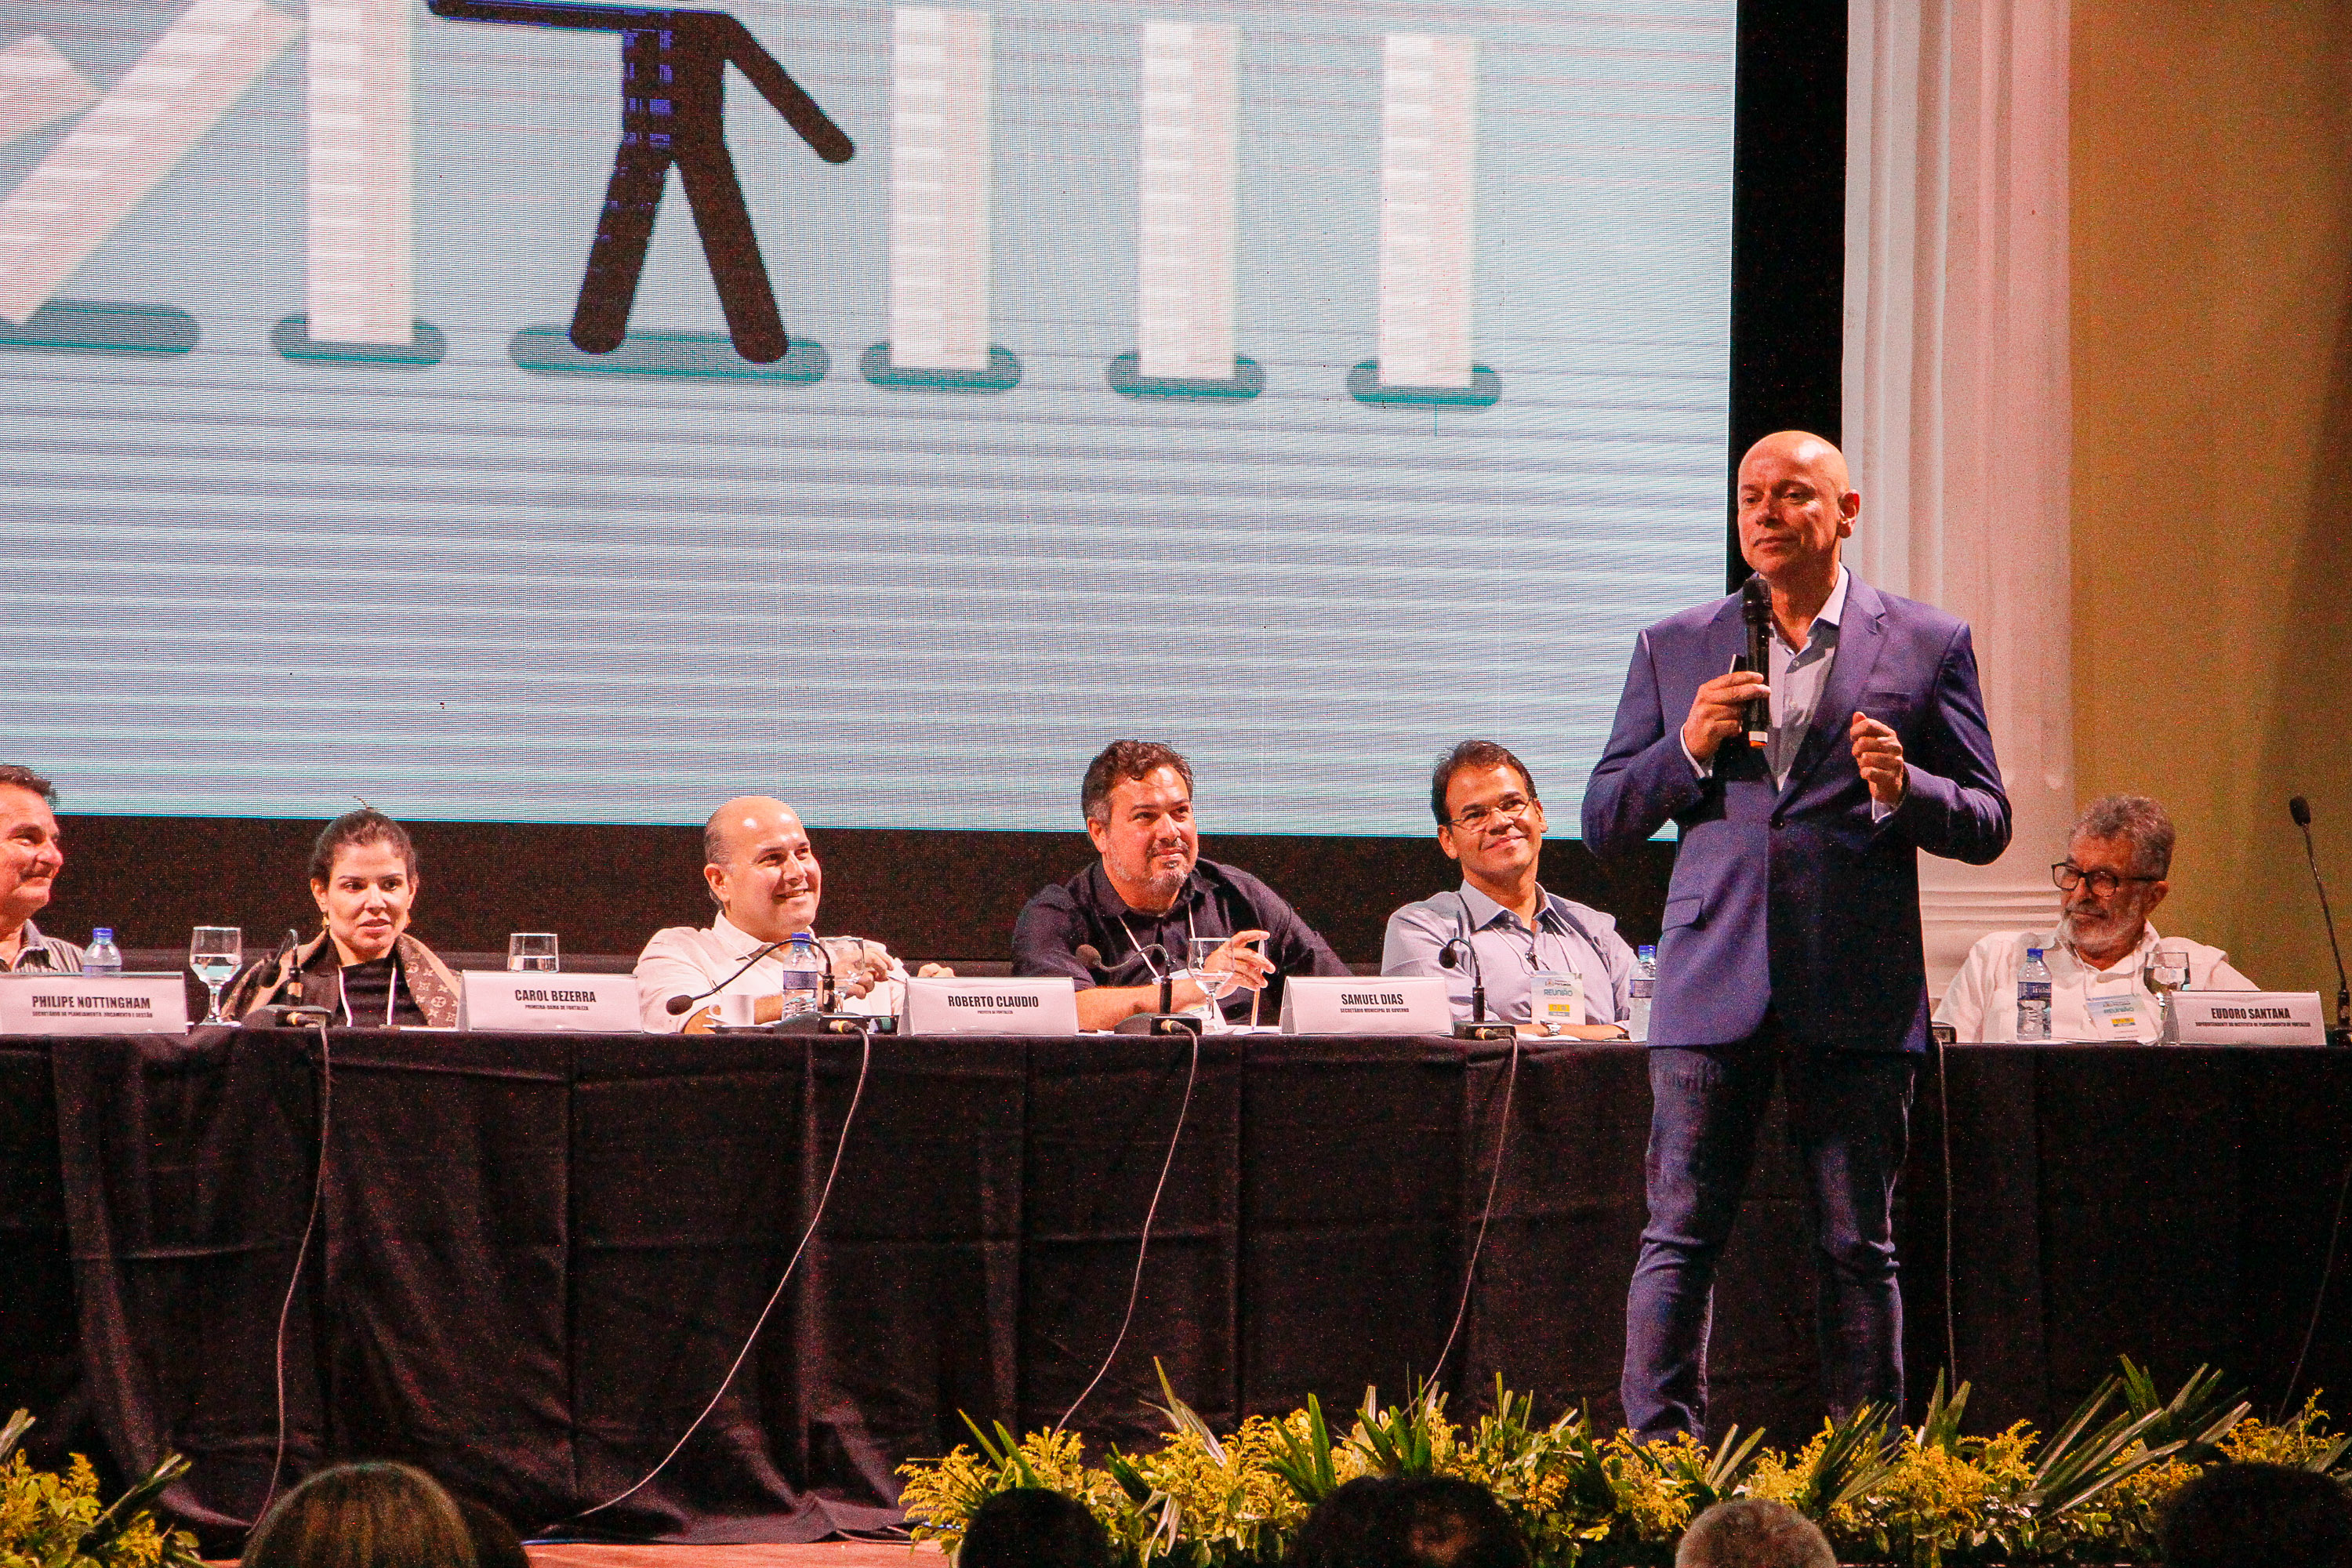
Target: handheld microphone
[2300,809]
[1756,610]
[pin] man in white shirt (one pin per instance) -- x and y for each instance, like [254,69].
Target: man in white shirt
[763,874]
[1489,819]
[2110,882]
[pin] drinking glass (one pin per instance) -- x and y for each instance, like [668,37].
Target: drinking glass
[1213,983]
[214,953]
[532,950]
[2167,972]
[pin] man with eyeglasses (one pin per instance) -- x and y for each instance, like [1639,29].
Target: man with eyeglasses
[2117,857]
[1489,819]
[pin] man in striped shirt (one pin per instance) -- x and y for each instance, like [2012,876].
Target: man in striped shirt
[30,858]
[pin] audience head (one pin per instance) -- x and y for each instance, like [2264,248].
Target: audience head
[1033,1528]
[371,1515]
[2257,1515]
[761,868]
[1398,1521]
[496,1542]
[363,879]
[1751,1532]
[2118,857]
[31,855]
[1137,800]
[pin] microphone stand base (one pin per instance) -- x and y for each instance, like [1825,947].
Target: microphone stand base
[2340,1039]
[1158,1024]
[1489,1029]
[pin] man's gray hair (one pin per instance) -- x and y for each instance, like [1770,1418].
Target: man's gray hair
[18,776]
[1750,1533]
[2136,818]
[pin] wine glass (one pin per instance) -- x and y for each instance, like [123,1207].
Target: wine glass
[2167,972]
[214,953]
[1213,983]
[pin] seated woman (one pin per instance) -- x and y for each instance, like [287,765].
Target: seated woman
[363,967]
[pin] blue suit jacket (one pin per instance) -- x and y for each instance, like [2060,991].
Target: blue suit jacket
[1793,897]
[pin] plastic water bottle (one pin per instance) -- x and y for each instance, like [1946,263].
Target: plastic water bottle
[2033,998]
[804,980]
[101,956]
[1645,986]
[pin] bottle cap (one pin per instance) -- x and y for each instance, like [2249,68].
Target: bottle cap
[1647,950]
[2033,955]
[102,933]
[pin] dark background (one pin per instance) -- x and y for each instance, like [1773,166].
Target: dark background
[604,889]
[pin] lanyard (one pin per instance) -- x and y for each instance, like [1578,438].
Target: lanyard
[1133,942]
[390,993]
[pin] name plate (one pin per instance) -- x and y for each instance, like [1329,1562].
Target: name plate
[1376,1005]
[2250,1018]
[529,1001]
[959,1007]
[33,1003]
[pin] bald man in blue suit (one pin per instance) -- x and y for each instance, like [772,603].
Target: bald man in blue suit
[1791,947]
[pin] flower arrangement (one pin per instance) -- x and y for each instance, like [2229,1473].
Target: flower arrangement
[52,1520]
[1924,1497]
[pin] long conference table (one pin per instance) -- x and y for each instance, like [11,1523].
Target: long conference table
[536,1256]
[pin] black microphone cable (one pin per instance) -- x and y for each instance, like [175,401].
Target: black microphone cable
[1944,1128]
[1143,1249]
[301,1253]
[825,1196]
[1493,1181]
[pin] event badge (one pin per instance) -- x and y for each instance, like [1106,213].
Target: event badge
[2115,1018]
[1556,997]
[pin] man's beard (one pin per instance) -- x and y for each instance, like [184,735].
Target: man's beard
[2101,930]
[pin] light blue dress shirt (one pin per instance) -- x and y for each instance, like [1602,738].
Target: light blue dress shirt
[1568,936]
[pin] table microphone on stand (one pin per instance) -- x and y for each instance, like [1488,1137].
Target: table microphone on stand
[2341,1034]
[1167,1020]
[1478,1027]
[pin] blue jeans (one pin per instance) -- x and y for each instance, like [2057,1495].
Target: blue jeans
[1849,1123]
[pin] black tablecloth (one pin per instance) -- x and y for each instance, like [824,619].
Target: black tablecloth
[537,1256]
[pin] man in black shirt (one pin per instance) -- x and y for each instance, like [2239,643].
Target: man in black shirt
[1152,890]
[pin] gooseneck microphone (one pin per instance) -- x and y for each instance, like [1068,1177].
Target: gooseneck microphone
[1756,610]
[2300,809]
[677,1005]
[1453,955]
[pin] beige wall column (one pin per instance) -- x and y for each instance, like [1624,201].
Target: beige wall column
[1956,395]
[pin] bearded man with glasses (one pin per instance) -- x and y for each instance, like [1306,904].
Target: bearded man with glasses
[2117,857]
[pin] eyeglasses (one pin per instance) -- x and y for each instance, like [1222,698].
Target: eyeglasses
[1509,808]
[2068,877]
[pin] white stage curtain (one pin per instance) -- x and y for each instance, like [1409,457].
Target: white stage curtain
[1957,411]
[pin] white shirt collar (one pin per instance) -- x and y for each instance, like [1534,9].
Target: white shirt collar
[738,943]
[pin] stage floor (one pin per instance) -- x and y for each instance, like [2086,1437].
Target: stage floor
[831,1554]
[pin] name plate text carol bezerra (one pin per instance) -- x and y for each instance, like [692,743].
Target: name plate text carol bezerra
[532,1001]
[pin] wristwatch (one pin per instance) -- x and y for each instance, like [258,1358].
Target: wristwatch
[1552,1026]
